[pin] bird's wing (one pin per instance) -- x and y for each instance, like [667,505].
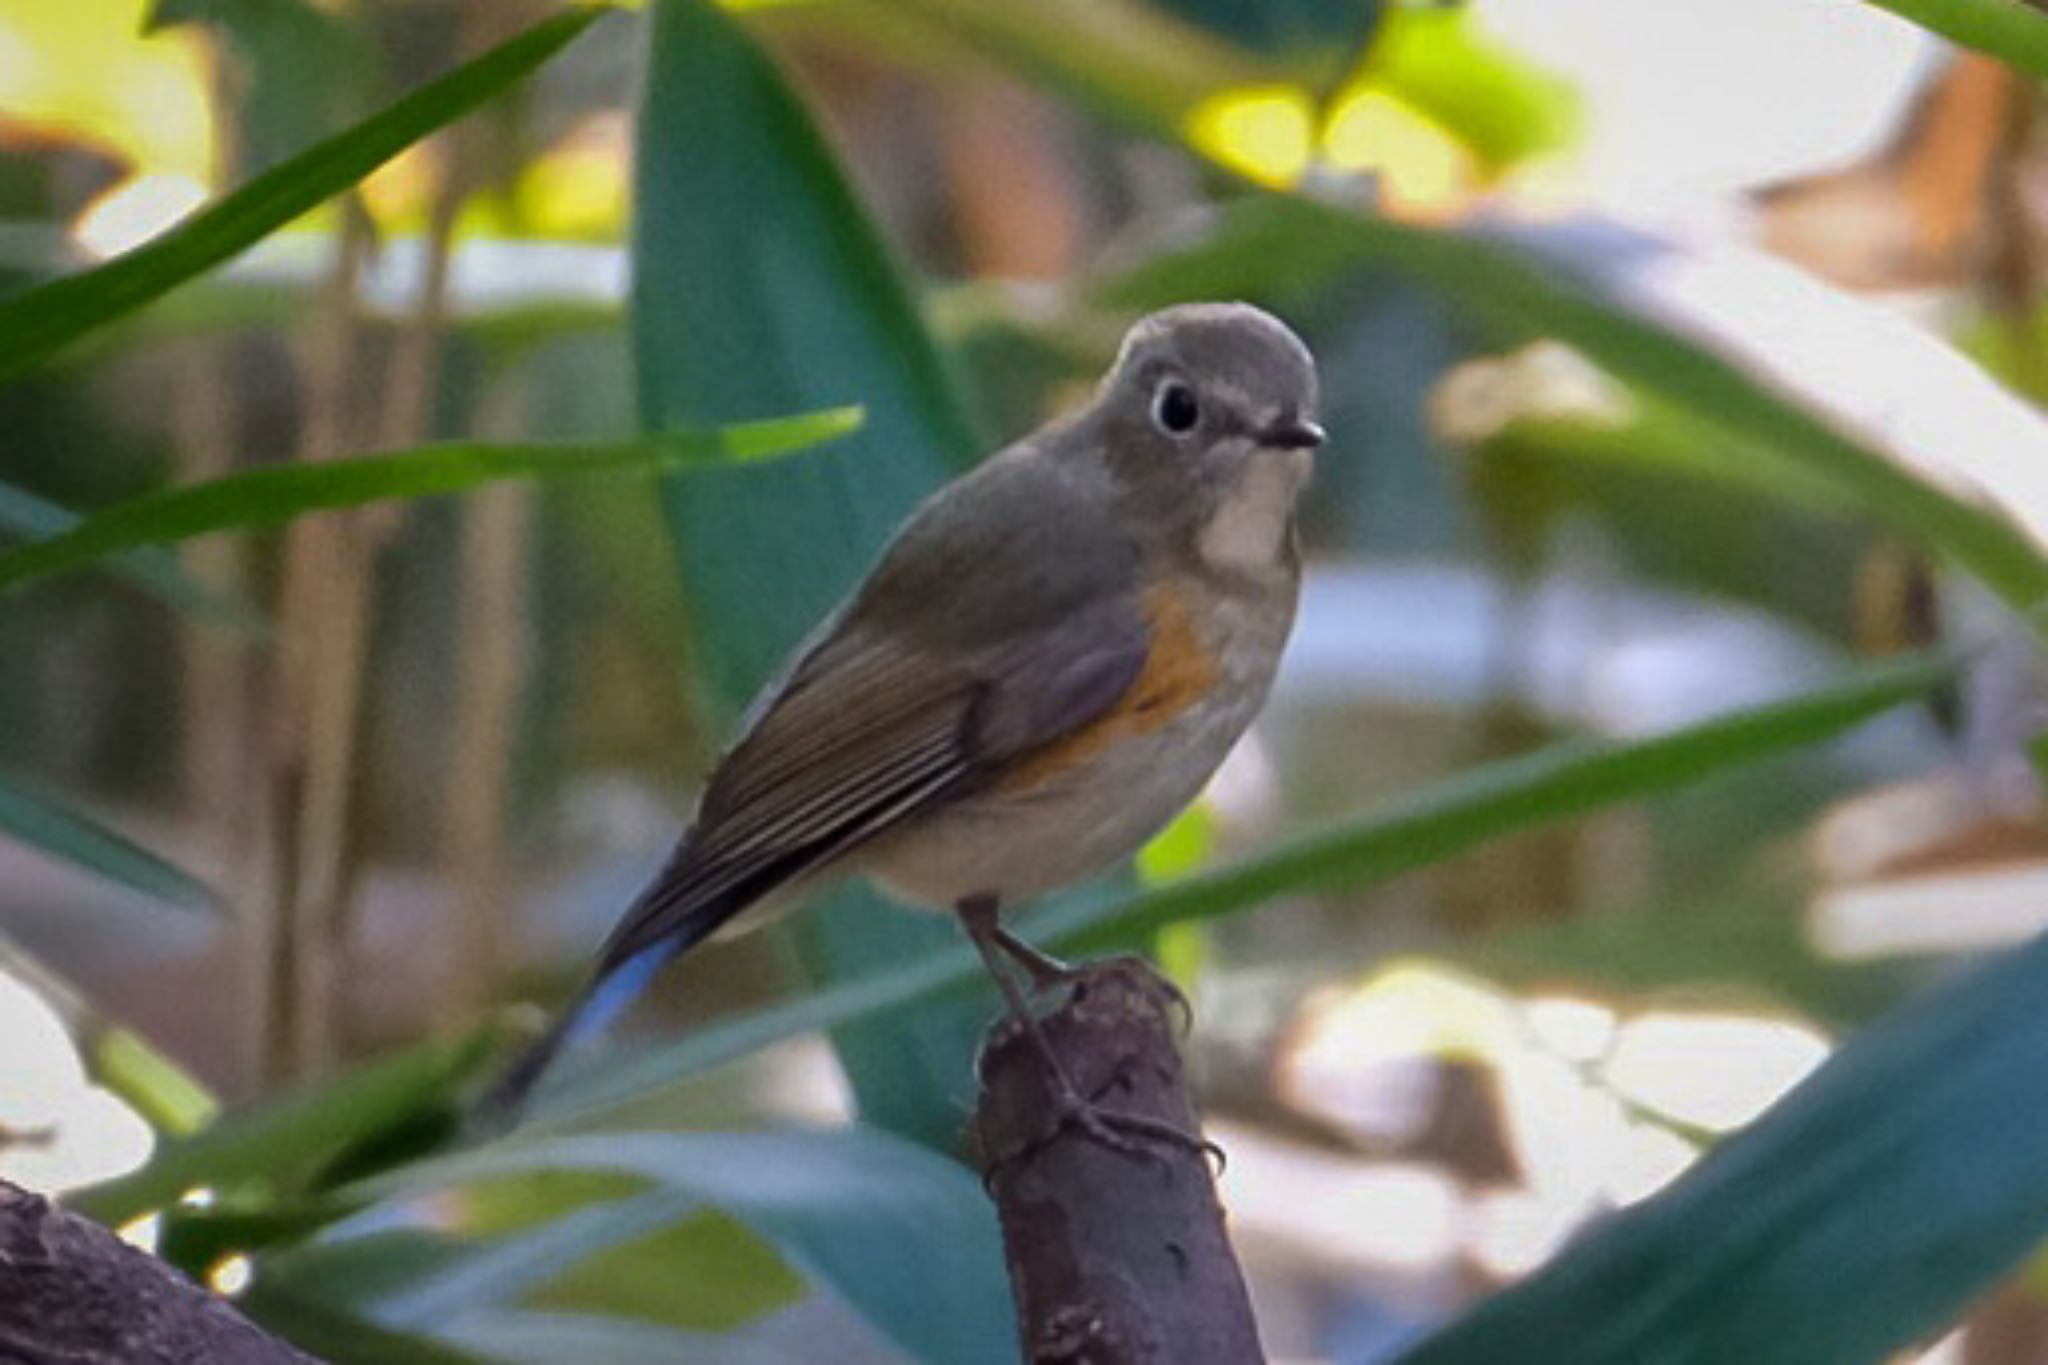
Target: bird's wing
[1003,617]
[870,730]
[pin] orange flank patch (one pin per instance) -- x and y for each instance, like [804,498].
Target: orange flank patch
[1180,671]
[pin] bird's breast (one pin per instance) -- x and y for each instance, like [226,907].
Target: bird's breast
[1075,807]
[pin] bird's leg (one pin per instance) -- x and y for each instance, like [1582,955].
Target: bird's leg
[1048,973]
[978,915]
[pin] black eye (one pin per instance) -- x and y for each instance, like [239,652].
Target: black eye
[1174,408]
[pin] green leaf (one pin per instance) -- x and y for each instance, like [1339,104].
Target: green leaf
[733,1277]
[1551,784]
[64,833]
[28,517]
[2011,30]
[38,322]
[164,1093]
[275,494]
[1286,241]
[127,1065]
[903,1235]
[288,1136]
[759,284]
[1858,1216]
[654,1254]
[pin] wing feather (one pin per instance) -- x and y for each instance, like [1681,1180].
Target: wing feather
[981,635]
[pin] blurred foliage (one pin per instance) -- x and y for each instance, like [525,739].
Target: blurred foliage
[1862,1213]
[1905,1167]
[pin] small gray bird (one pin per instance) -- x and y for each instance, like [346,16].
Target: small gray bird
[1045,666]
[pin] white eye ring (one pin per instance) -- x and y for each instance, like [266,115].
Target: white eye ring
[1175,409]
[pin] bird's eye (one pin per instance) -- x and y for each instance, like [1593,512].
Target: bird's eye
[1175,409]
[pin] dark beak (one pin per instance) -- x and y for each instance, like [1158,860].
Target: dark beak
[1296,433]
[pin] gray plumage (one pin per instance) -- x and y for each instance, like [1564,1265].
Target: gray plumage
[1013,610]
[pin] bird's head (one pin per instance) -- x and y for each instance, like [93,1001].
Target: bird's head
[1209,418]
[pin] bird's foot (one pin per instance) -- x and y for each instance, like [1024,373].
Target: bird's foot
[1123,1133]
[1048,974]
[1136,1136]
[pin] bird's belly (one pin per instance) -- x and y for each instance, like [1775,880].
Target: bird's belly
[1016,840]
[1079,824]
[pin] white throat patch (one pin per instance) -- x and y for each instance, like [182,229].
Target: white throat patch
[1249,529]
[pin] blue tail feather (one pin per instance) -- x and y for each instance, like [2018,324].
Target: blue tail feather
[601,1003]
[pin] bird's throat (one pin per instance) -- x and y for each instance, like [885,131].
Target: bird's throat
[1252,526]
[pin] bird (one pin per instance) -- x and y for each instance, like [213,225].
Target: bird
[1045,665]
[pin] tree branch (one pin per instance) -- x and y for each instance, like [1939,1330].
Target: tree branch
[72,1293]
[1116,1257]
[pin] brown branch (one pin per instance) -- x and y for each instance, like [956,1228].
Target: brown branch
[1116,1257]
[72,1293]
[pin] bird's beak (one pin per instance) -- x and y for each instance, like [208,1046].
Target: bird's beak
[1295,433]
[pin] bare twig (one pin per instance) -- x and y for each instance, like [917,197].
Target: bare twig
[1117,1257]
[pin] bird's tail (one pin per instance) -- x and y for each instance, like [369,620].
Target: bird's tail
[666,922]
[601,1002]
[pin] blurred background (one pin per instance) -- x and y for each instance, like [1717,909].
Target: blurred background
[420,753]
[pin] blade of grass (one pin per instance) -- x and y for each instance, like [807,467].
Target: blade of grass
[37,322]
[276,493]
[66,834]
[1551,784]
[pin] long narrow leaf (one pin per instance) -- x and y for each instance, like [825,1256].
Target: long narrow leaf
[343,1338]
[66,834]
[40,321]
[292,1133]
[903,1235]
[1551,784]
[25,516]
[126,1064]
[759,285]
[2011,30]
[506,1272]
[1555,783]
[1856,1217]
[276,493]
